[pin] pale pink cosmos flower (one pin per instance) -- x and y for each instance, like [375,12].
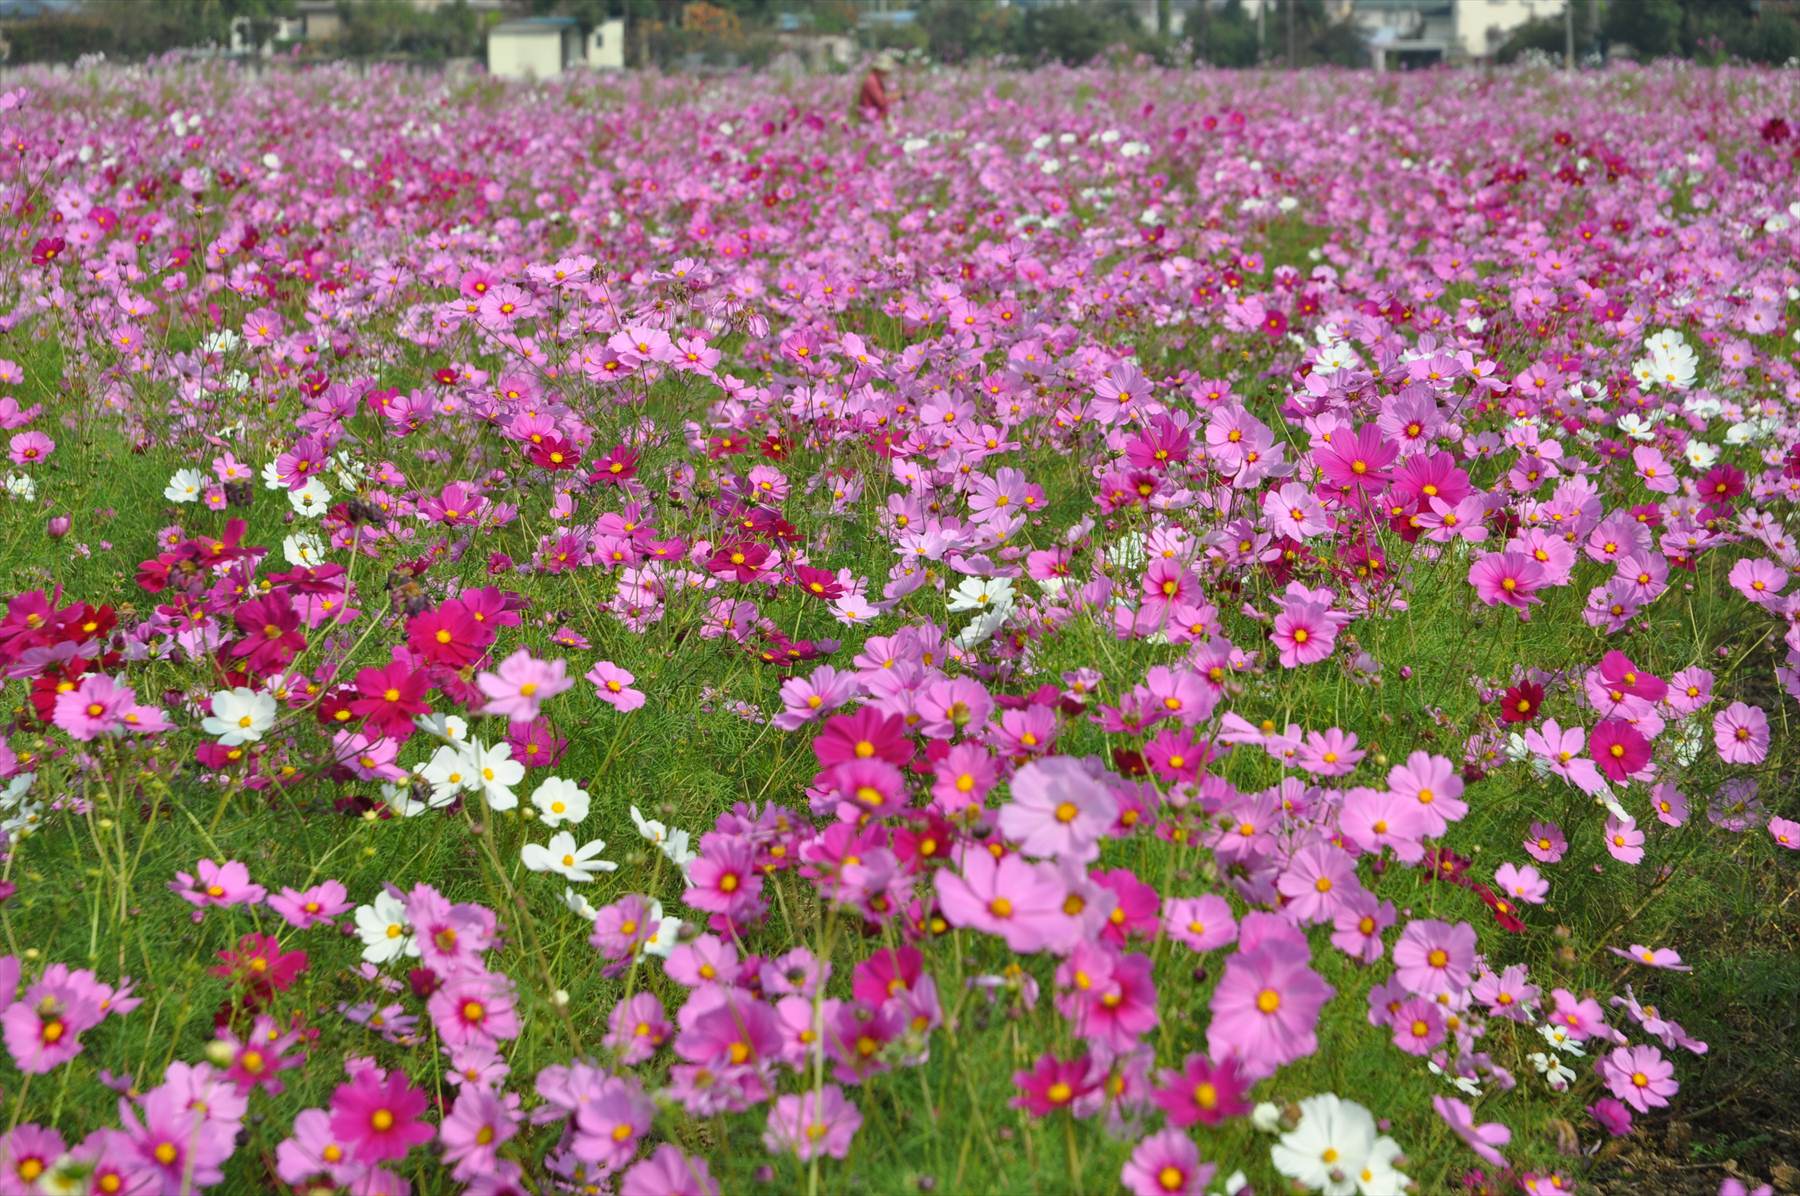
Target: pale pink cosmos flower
[521,684]
[1522,882]
[1059,808]
[1665,958]
[1639,1076]
[1485,1140]
[612,685]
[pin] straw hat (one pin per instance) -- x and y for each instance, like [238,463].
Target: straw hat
[886,62]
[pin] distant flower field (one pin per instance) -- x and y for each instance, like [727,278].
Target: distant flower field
[1143,631]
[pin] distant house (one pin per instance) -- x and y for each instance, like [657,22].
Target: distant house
[606,46]
[1409,33]
[535,47]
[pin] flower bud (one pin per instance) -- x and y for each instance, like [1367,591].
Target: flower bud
[58,527]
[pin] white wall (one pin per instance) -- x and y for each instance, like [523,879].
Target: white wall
[534,54]
[606,46]
[1474,18]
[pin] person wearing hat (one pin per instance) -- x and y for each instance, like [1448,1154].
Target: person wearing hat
[873,101]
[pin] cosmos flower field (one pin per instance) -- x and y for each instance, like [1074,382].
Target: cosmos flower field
[1149,631]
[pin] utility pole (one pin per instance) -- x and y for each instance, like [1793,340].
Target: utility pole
[1568,35]
[1262,49]
[1289,5]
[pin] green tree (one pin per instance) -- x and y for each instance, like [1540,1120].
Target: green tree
[1651,27]
[1078,33]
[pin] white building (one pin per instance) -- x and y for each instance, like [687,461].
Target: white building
[535,47]
[1423,32]
[606,46]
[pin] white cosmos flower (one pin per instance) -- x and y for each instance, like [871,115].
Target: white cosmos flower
[562,855]
[672,843]
[560,801]
[400,800]
[303,549]
[444,726]
[185,486]
[384,930]
[1701,455]
[579,905]
[982,594]
[1556,1073]
[311,500]
[982,628]
[496,773]
[450,771]
[1559,1038]
[666,937]
[239,716]
[1328,1149]
[1378,1176]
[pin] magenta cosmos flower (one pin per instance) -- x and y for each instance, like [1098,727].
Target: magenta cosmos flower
[1265,1010]
[1618,748]
[377,1116]
[1201,1091]
[1741,733]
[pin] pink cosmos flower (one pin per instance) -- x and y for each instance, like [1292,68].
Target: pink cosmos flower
[1434,958]
[96,706]
[669,1172]
[1201,923]
[1167,1163]
[814,1123]
[1060,808]
[1624,841]
[1318,879]
[1303,633]
[1266,1006]
[1485,1140]
[304,910]
[1012,897]
[612,685]
[475,1129]
[1432,782]
[218,884]
[43,1028]
[1507,578]
[30,448]
[1545,843]
[1786,832]
[1522,883]
[1418,1026]
[1639,1076]
[1332,753]
[1741,733]
[1619,750]
[520,684]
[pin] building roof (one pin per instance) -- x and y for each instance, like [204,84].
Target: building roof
[536,25]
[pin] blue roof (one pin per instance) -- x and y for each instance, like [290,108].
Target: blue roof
[522,23]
